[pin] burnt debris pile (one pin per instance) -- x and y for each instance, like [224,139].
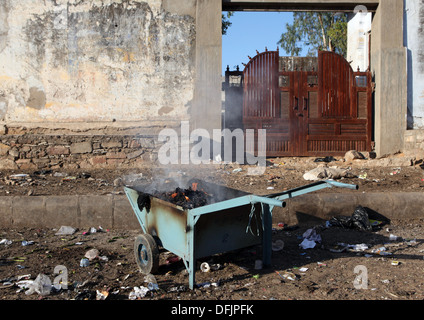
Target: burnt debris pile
[189,198]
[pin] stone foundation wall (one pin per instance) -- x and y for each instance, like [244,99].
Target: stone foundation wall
[34,152]
[414,140]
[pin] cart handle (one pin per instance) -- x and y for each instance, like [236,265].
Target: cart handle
[269,201]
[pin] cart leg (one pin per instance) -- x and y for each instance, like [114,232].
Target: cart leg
[191,273]
[191,258]
[267,236]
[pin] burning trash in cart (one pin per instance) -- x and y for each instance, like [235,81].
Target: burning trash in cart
[201,219]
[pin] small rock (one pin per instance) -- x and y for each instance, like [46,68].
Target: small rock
[118,182]
[65,230]
[352,155]
[92,254]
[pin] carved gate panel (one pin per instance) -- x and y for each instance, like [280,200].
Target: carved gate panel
[309,106]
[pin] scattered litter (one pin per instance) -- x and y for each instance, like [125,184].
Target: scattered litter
[310,239]
[101,295]
[278,245]
[412,242]
[207,284]
[177,289]
[204,267]
[354,247]
[395,263]
[385,281]
[84,262]
[256,276]
[321,264]
[152,286]
[303,269]
[138,293]
[363,176]
[20,176]
[92,254]
[258,265]
[312,235]
[6,242]
[270,188]
[69,178]
[60,174]
[338,248]
[395,171]
[307,244]
[25,243]
[392,237]
[237,170]
[93,230]
[41,285]
[381,251]
[289,276]
[375,223]
[65,230]
[326,159]
[321,173]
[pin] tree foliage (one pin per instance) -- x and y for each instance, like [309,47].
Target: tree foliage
[316,30]
[226,23]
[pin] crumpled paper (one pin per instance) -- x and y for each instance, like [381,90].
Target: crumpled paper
[310,239]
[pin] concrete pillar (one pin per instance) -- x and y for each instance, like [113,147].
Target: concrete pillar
[388,64]
[206,109]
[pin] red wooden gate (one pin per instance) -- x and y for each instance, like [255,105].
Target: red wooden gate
[309,106]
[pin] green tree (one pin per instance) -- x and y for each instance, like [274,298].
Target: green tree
[316,30]
[226,23]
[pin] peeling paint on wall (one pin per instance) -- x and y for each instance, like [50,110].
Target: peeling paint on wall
[95,61]
[4,25]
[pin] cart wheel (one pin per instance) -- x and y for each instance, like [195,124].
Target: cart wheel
[146,253]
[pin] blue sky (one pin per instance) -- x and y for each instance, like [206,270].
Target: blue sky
[251,31]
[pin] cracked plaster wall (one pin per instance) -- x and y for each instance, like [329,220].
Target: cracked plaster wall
[110,60]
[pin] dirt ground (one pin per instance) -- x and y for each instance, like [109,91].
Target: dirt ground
[387,264]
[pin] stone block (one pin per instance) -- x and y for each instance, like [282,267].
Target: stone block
[4,149]
[114,162]
[111,144]
[98,160]
[8,164]
[81,147]
[57,150]
[116,155]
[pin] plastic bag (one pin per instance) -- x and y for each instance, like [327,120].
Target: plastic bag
[41,285]
[359,220]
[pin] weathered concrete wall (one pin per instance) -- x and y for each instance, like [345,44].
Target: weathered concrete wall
[414,41]
[388,64]
[110,60]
